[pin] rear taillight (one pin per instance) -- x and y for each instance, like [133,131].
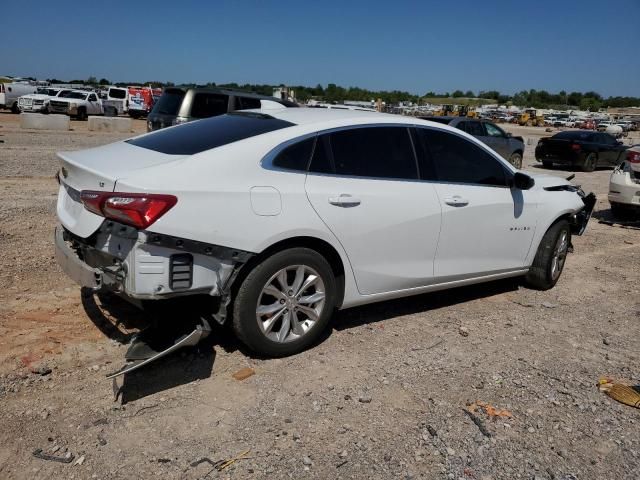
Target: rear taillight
[575,147]
[633,157]
[136,209]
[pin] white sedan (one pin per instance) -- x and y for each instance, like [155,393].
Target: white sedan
[624,184]
[281,218]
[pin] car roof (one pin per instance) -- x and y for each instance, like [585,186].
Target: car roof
[310,116]
[237,93]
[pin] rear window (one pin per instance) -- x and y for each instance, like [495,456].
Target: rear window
[169,102]
[246,103]
[195,137]
[575,135]
[117,93]
[209,105]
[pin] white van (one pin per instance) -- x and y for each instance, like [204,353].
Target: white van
[117,101]
[10,92]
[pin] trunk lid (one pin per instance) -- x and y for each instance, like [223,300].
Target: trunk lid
[97,169]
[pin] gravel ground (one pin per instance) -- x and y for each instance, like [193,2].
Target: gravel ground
[382,396]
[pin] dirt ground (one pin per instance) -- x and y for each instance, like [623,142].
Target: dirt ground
[382,396]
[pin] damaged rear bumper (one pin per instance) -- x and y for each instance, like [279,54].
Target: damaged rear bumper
[140,265]
[76,269]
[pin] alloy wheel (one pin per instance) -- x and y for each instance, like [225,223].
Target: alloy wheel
[291,303]
[559,254]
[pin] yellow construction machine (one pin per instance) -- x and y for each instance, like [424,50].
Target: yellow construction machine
[530,118]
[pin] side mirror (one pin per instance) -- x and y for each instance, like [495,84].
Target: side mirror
[523,181]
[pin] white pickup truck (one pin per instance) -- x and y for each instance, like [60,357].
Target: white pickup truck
[39,102]
[77,103]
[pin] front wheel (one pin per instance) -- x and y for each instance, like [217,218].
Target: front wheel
[516,160]
[82,114]
[284,303]
[550,257]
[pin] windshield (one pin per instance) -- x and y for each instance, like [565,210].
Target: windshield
[78,95]
[195,137]
[169,102]
[47,91]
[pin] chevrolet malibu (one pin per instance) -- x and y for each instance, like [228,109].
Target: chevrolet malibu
[281,219]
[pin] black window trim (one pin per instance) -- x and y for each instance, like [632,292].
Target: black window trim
[267,161]
[508,172]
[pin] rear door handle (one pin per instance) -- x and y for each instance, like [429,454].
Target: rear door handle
[344,200]
[456,201]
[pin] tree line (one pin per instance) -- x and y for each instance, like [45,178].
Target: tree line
[333,93]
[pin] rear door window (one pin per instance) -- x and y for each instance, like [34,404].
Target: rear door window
[195,137]
[475,129]
[377,152]
[320,162]
[457,160]
[209,105]
[296,156]
[245,103]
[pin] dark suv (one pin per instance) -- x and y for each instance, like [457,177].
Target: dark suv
[179,105]
[511,148]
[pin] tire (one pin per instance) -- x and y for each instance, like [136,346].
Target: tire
[82,114]
[550,258]
[547,164]
[15,108]
[262,288]
[589,164]
[516,160]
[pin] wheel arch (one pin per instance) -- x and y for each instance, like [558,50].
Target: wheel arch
[535,244]
[323,247]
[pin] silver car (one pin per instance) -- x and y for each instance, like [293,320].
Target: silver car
[511,148]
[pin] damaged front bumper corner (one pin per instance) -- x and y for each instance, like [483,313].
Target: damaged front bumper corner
[580,220]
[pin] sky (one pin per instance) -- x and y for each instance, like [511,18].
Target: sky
[415,46]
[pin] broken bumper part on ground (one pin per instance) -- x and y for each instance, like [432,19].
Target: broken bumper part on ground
[141,347]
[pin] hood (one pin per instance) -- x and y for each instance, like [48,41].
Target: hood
[544,180]
[37,96]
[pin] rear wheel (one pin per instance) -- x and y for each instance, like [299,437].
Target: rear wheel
[589,164]
[285,302]
[15,108]
[550,257]
[516,160]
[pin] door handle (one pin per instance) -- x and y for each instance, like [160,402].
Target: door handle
[456,201]
[344,200]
